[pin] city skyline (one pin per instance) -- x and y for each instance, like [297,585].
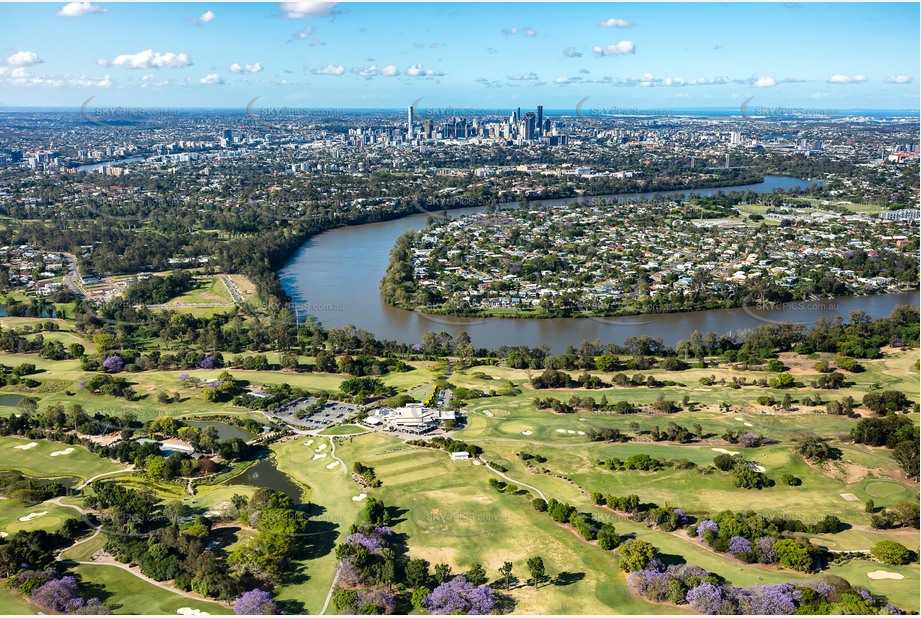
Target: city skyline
[477,56]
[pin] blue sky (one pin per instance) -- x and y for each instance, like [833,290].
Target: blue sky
[484,55]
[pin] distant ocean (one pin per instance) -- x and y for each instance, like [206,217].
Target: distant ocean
[629,111]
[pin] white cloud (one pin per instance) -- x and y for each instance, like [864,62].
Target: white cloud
[570,52]
[79,9]
[764,82]
[24,59]
[675,81]
[417,70]
[211,79]
[236,67]
[613,22]
[300,10]
[509,31]
[304,32]
[838,78]
[390,70]
[205,18]
[530,32]
[148,59]
[19,73]
[329,69]
[898,79]
[102,62]
[105,82]
[370,71]
[530,77]
[620,49]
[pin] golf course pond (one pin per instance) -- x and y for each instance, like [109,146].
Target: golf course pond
[264,473]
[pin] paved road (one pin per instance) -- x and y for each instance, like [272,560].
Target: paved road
[72,277]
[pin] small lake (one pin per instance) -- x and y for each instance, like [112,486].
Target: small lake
[10,400]
[265,474]
[225,431]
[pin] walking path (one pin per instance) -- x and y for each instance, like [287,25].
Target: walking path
[129,468]
[513,481]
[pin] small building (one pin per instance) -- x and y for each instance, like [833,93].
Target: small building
[460,455]
[412,418]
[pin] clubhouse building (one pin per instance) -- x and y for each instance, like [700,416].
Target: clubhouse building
[411,418]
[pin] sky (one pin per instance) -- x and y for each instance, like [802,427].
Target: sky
[644,56]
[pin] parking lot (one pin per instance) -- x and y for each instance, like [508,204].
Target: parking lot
[332,413]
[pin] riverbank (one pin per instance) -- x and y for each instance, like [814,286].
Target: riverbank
[631,311]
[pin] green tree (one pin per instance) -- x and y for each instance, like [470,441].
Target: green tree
[417,572]
[635,554]
[442,572]
[537,570]
[505,571]
[476,575]
[793,555]
[891,552]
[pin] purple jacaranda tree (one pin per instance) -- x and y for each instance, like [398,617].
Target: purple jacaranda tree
[739,546]
[706,598]
[255,602]
[459,596]
[378,598]
[764,548]
[371,543]
[113,364]
[208,362]
[707,524]
[59,595]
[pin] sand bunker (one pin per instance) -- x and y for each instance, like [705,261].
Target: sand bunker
[321,448]
[3,535]
[332,465]
[722,450]
[884,575]
[748,424]
[32,516]
[572,431]
[581,433]
[849,497]
[319,456]
[188,611]
[561,431]
[308,443]
[526,433]
[758,468]
[739,418]
[476,463]
[66,451]
[487,413]
[26,447]
[359,497]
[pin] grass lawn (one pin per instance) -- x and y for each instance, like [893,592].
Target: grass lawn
[451,515]
[206,290]
[38,462]
[341,430]
[902,593]
[54,516]
[332,512]
[127,594]
[12,603]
